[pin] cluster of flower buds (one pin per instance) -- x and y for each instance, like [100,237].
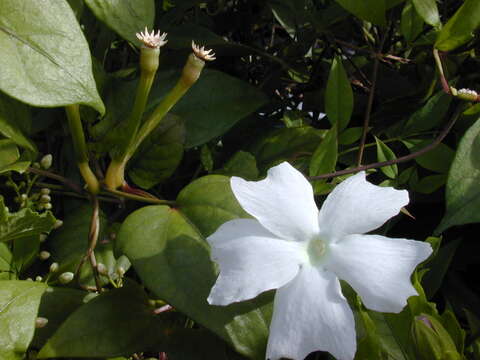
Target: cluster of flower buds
[42,199]
[465,94]
[45,162]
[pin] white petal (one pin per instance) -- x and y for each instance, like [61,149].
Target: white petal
[282,202]
[378,268]
[252,260]
[310,314]
[357,207]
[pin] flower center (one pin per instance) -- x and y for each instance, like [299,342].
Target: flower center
[316,250]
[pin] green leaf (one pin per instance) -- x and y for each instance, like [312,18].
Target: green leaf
[384,153]
[428,10]
[117,322]
[429,184]
[56,305]
[411,23]
[172,259]
[438,159]
[19,301]
[14,118]
[160,153]
[460,27]
[324,158]
[368,10]
[25,252]
[213,104]
[45,58]
[19,167]
[209,202]
[6,271]
[242,164]
[124,17]
[430,115]
[350,135]
[338,96]
[8,153]
[23,223]
[463,192]
[69,244]
[438,266]
[284,144]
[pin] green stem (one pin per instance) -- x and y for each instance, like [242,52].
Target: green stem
[80,147]
[139,198]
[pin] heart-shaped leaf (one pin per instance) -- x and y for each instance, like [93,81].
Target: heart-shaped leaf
[45,58]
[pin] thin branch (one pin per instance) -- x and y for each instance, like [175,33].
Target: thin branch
[92,241]
[368,111]
[75,187]
[130,196]
[401,159]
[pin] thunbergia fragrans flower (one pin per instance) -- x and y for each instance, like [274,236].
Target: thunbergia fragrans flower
[292,246]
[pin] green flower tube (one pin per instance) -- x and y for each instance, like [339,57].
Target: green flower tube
[190,74]
[149,61]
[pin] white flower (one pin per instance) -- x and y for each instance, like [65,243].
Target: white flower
[303,252]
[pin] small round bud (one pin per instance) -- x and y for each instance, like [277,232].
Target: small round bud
[102,269]
[29,279]
[45,191]
[45,198]
[44,255]
[43,237]
[24,196]
[38,278]
[65,278]
[57,224]
[46,161]
[36,165]
[53,267]
[7,210]
[41,322]
[120,271]
[47,206]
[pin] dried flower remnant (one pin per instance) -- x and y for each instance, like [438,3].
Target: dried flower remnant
[152,40]
[202,53]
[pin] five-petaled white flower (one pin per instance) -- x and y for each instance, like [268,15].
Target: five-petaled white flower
[292,246]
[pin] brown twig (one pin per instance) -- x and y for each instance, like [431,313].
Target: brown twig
[75,187]
[368,111]
[401,159]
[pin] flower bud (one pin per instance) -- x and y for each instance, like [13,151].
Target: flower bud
[45,198]
[431,339]
[36,165]
[44,255]
[53,267]
[24,197]
[57,224]
[45,191]
[40,322]
[65,278]
[102,269]
[47,206]
[38,278]
[46,161]
[120,271]
[43,237]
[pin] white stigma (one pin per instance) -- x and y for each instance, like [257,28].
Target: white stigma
[202,53]
[152,40]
